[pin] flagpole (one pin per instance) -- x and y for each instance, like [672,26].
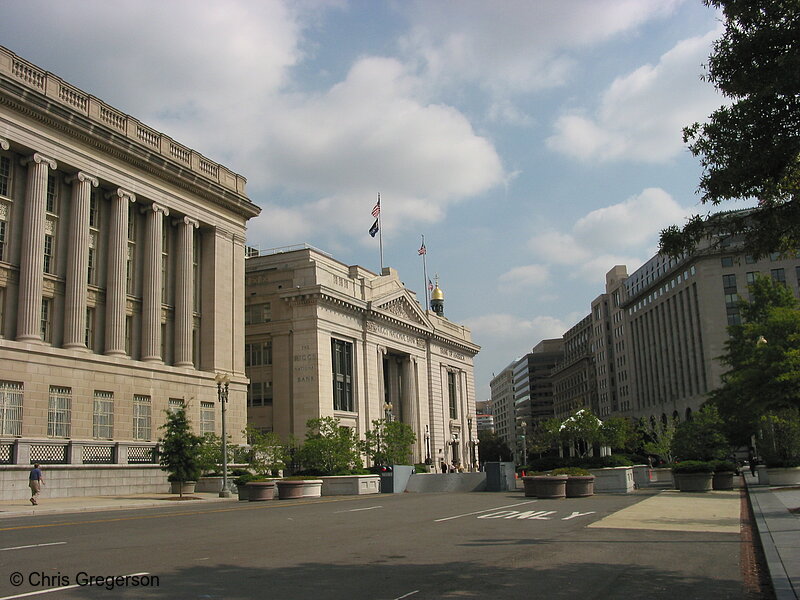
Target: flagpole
[380,232]
[425,274]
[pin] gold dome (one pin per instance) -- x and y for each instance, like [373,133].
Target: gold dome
[437,294]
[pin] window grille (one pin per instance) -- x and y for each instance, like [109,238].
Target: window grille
[59,412]
[141,418]
[11,394]
[103,415]
[206,417]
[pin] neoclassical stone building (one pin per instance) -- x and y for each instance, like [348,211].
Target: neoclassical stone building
[327,339]
[121,277]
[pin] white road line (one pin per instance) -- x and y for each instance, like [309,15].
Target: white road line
[477,512]
[58,589]
[399,597]
[32,546]
[359,509]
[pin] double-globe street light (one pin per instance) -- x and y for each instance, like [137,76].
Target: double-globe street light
[223,380]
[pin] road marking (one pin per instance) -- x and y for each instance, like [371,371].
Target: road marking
[477,512]
[357,509]
[261,505]
[398,598]
[32,546]
[58,589]
[542,515]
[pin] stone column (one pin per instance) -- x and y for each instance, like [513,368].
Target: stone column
[184,292]
[409,394]
[31,267]
[151,289]
[77,261]
[117,263]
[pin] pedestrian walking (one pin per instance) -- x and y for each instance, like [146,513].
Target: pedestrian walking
[444,467]
[35,482]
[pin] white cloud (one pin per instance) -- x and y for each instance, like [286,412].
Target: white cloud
[641,116]
[510,329]
[621,234]
[526,276]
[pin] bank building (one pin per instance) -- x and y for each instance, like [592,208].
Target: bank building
[327,339]
[122,258]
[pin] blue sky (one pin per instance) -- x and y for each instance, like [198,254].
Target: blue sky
[534,143]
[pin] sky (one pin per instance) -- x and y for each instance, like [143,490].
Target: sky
[535,144]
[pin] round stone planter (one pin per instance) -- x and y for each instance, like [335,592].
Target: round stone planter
[299,488]
[549,487]
[722,480]
[260,490]
[185,487]
[783,475]
[693,482]
[580,486]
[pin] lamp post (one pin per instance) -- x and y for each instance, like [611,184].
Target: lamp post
[524,425]
[471,447]
[387,409]
[428,460]
[223,381]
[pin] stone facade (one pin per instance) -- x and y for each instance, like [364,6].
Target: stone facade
[121,271]
[327,339]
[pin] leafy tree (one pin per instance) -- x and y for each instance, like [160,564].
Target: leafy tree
[660,440]
[702,437]
[763,354]
[618,433]
[211,452]
[179,453]
[329,449]
[491,448]
[389,442]
[779,438]
[583,430]
[751,147]
[268,455]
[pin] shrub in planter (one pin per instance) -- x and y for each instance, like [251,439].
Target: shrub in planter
[693,475]
[180,450]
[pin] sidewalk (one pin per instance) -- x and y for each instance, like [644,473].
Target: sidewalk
[75,504]
[779,531]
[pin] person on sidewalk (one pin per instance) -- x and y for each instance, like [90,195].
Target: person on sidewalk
[35,481]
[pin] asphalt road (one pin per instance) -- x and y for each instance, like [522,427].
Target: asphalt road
[383,547]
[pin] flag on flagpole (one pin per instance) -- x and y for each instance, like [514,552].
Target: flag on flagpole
[430,285]
[422,249]
[374,229]
[377,208]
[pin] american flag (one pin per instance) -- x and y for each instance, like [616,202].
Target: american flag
[377,209]
[422,249]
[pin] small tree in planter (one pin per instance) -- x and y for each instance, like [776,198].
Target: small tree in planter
[329,449]
[702,437]
[660,444]
[582,430]
[180,449]
[268,455]
[389,443]
[779,438]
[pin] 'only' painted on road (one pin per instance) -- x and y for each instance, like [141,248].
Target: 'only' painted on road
[541,515]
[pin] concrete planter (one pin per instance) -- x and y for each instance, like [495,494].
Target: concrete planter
[546,487]
[661,477]
[783,476]
[722,480]
[763,475]
[212,484]
[350,485]
[613,480]
[580,486]
[641,476]
[186,487]
[299,488]
[694,482]
[258,491]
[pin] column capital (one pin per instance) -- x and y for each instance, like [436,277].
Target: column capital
[188,221]
[121,193]
[39,158]
[155,207]
[81,176]
[4,144]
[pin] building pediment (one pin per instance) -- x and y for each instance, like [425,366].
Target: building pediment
[400,305]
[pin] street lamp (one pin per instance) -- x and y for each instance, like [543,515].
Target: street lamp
[223,381]
[428,460]
[471,447]
[524,425]
[387,409]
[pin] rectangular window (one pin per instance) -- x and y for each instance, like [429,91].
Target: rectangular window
[727,261]
[174,405]
[779,275]
[141,418]
[103,415]
[59,412]
[10,408]
[451,394]
[89,338]
[92,267]
[257,313]
[751,277]
[342,359]
[47,311]
[51,199]
[5,176]
[94,206]
[750,259]
[3,236]
[129,269]
[206,417]
[49,243]
[729,283]
[128,334]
